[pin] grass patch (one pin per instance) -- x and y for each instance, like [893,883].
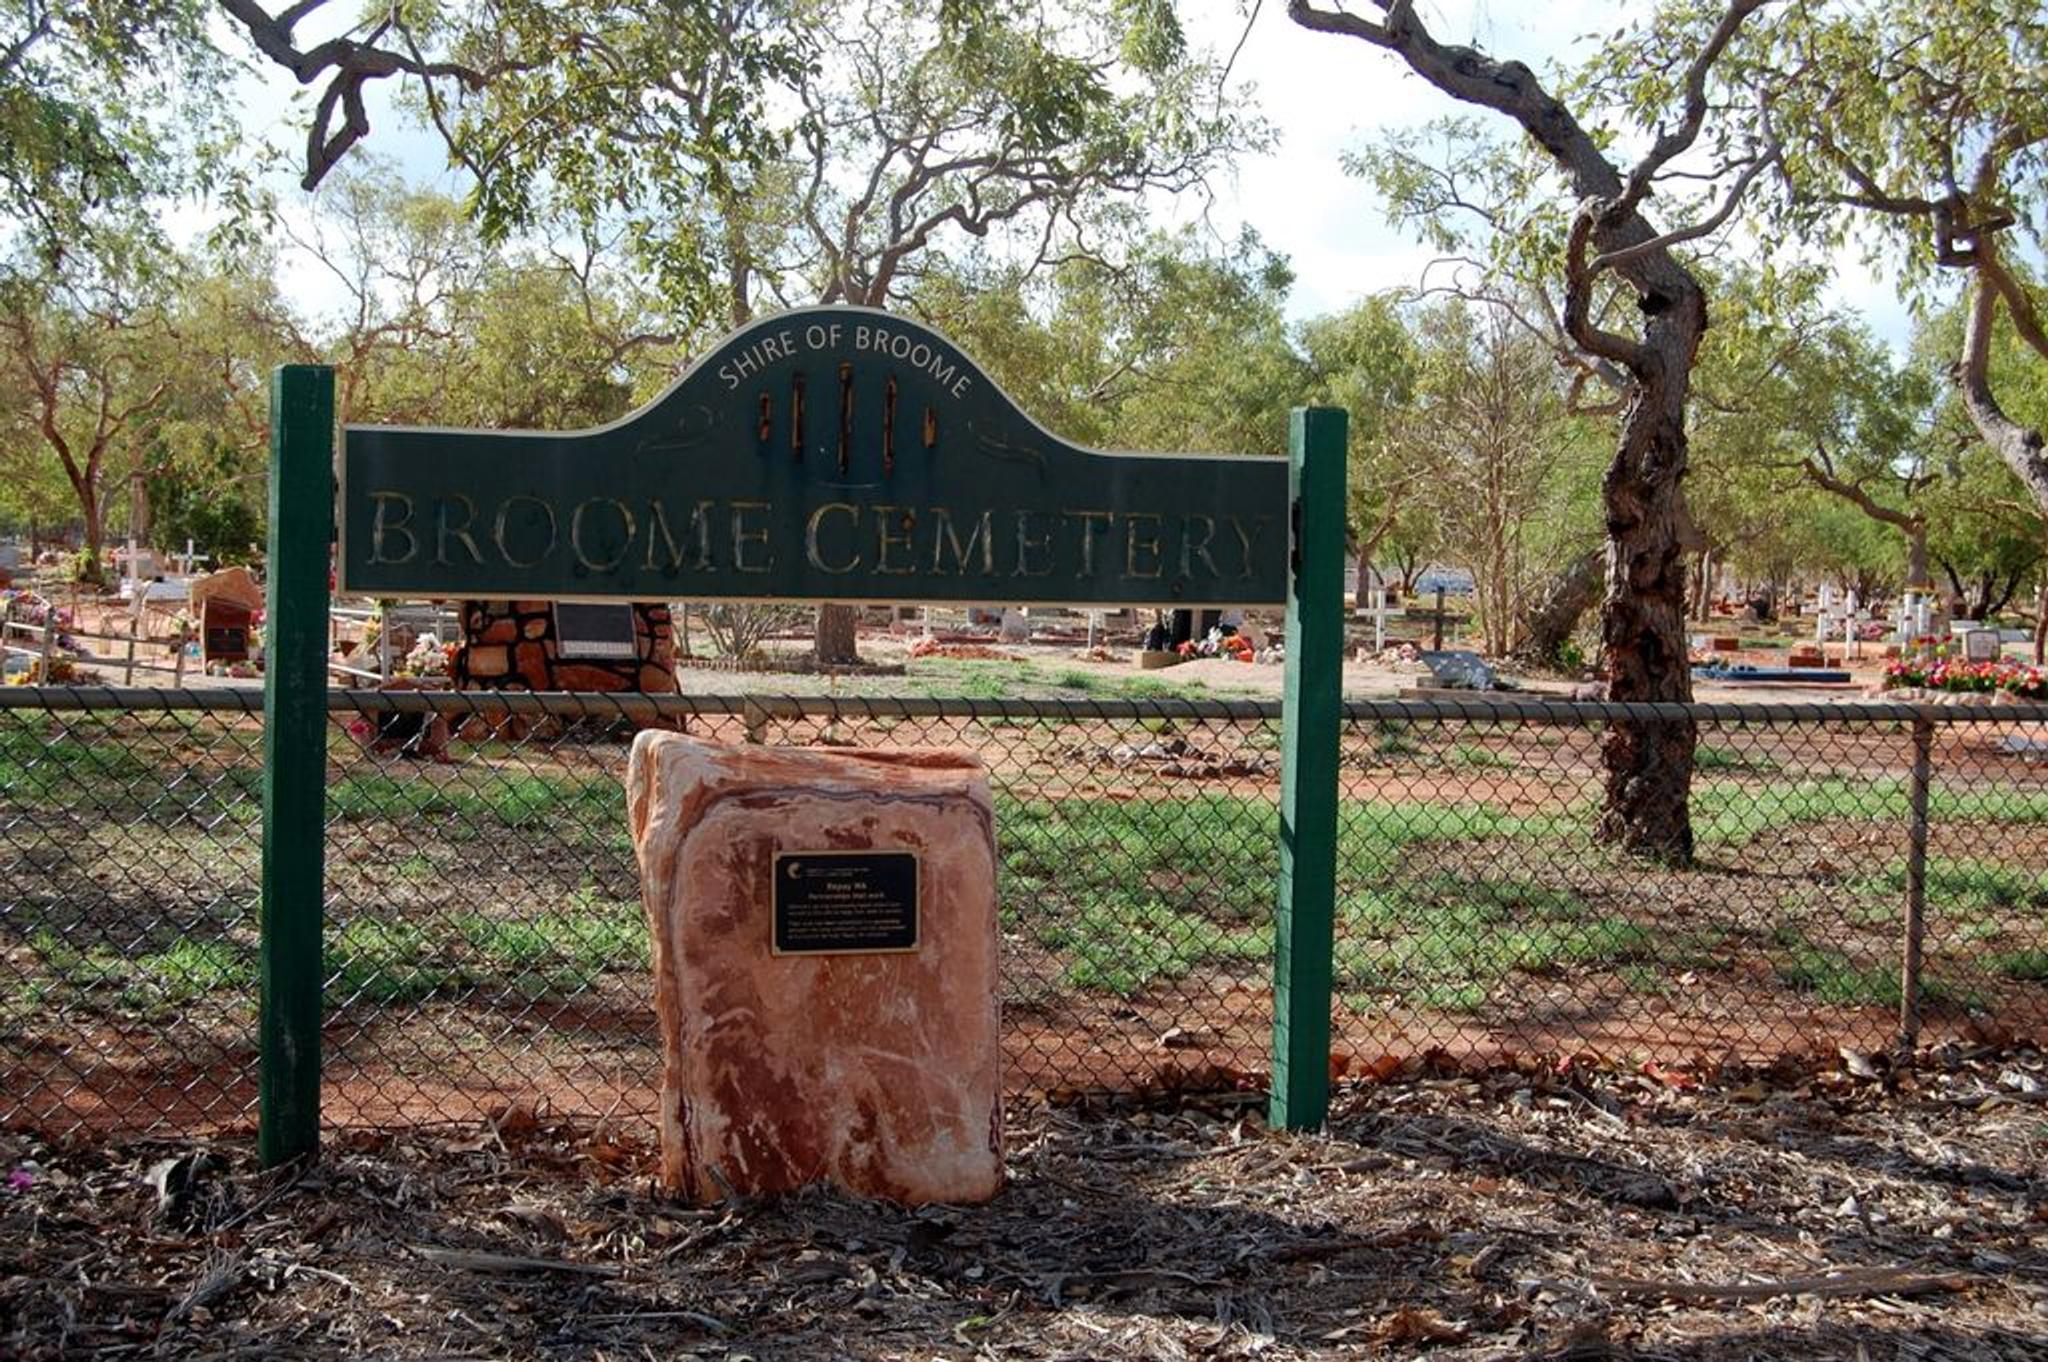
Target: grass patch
[126,769]
[1645,979]
[563,952]
[1967,892]
[1217,853]
[517,801]
[1471,754]
[35,768]
[980,679]
[372,960]
[1730,812]
[949,677]
[147,982]
[1706,757]
[2030,966]
[1126,946]
[1835,977]
[1445,942]
[1392,738]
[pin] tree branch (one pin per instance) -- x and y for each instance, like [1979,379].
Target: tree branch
[1705,227]
[1679,140]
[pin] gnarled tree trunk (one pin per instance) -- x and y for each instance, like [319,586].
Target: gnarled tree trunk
[1649,764]
[1642,629]
[1553,614]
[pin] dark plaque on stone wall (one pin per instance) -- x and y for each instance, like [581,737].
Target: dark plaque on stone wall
[845,902]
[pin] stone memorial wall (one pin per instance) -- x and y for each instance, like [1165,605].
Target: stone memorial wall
[513,645]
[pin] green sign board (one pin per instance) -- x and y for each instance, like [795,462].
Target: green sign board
[827,454]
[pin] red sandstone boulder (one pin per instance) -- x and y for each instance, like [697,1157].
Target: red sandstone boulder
[876,1070]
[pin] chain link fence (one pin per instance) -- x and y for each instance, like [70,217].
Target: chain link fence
[485,946]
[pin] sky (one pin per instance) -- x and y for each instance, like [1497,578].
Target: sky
[1328,95]
[1324,95]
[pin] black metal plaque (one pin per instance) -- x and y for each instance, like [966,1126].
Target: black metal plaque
[845,902]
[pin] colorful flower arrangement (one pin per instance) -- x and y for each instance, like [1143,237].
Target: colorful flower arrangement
[29,608]
[428,657]
[1944,673]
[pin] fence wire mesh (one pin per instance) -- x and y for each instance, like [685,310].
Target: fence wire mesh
[486,949]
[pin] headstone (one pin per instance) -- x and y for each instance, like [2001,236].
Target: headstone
[824,928]
[224,630]
[1981,645]
[225,602]
[231,584]
[1016,627]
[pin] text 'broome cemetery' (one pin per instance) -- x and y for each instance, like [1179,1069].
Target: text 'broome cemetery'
[831,454]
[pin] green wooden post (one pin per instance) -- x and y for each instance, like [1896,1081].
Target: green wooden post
[1305,908]
[295,758]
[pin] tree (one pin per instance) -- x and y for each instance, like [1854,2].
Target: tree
[200,501]
[89,357]
[1480,203]
[993,121]
[105,107]
[34,496]
[1363,359]
[1985,534]
[1179,345]
[900,131]
[1986,525]
[1489,430]
[1834,409]
[553,106]
[1924,123]
[1610,242]
[435,326]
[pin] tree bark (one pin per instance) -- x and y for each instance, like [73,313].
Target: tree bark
[1916,555]
[1913,525]
[835,640]
[1642,631]
[95,536]
[2041,626]
[2019,446]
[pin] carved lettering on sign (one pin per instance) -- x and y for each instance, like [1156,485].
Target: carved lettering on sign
[682,496]
[814,552]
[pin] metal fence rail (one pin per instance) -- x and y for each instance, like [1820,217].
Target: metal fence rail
[1858,868]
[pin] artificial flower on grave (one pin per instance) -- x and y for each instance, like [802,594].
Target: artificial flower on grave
[1955,676]
[427,657]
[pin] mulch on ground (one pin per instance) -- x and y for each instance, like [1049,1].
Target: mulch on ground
[1575,1214]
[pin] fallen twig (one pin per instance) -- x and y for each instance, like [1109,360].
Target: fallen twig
[1880,1281]
[471,1261]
